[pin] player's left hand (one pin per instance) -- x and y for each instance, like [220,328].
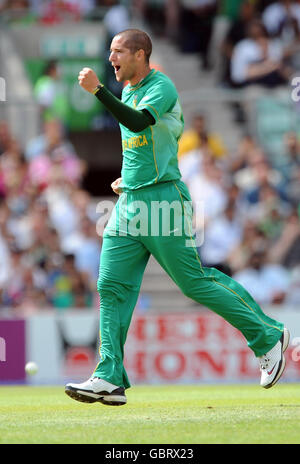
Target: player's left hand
[115,186]
[88,79]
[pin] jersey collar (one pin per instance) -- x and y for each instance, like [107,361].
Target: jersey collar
[142,82]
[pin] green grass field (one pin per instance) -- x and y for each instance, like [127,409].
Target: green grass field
[154,415]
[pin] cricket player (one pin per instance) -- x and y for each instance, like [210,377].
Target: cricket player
[151,124]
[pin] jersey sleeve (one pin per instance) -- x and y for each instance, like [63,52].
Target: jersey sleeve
[159,99]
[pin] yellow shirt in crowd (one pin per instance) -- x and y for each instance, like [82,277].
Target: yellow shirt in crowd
[190,140]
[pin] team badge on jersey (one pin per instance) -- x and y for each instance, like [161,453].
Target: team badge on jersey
[135,101]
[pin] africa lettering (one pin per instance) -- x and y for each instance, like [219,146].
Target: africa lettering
[134,142]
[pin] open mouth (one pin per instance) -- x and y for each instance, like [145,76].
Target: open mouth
[117,68]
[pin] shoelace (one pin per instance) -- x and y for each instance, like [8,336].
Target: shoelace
[264,362]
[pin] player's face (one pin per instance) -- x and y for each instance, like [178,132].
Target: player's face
[122,59]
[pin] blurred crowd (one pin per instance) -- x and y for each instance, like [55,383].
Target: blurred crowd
[261,44]
[251,197]
[49,248]
[251,210]
[52,12]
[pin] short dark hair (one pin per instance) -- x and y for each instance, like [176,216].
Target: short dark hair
[135,40]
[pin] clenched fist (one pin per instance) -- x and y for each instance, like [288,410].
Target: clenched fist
[88,79]
[115,186]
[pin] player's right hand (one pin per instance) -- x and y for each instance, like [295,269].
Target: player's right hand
[115,186]
[88,79]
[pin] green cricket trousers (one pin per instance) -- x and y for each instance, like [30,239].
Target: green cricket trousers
[157,220]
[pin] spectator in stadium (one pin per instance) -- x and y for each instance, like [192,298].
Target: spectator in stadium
[50,93]
[116,18]
[46,216]
[259,60]
[222,236]
[293,187]
[207,187]
[161,16]
[63,214]
[4,248]
[267,188]
[154,14]
[254,170]
[196,28]
[34,221]
[172,19]
[13,172]
[17,12]
[87,252]
[52,152]
[293,296]
[57,11]
[14,286]
[267,203]
[282,19]
[290,158]
[268,282]
[286,249]
[237,31]
[246,146]
[5,136]
[83,241]
[191,162]
[252,239]
[198,136]
[68,285]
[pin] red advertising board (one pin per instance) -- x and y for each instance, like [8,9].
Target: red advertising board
[189,348]
[198,347]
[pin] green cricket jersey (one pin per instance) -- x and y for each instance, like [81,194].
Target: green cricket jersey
[150,156]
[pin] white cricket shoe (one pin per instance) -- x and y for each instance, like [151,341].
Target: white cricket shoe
[95,389]
[272,363]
